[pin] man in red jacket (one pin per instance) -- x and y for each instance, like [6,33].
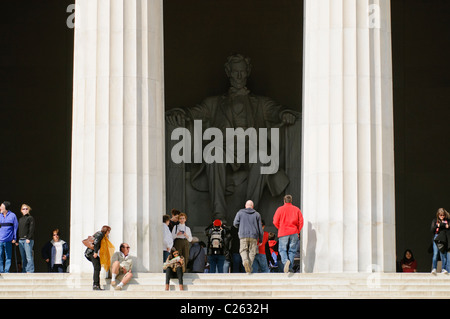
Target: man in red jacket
[288,219]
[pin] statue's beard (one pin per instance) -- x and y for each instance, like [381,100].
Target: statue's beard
[238,84]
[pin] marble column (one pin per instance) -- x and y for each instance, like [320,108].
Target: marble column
[348,145]
[118,128]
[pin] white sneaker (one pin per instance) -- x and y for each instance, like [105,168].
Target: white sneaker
[444,271]
[286,266]
[433,271]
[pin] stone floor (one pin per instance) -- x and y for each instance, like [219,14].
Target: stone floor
[232,286]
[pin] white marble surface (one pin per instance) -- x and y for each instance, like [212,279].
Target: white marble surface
[118,128]
[348,156]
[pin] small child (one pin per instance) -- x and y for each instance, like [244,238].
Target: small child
[273,245]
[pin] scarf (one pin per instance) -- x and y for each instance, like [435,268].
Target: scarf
[106,252]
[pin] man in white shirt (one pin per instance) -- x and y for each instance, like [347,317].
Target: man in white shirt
[167,237]
[121,264]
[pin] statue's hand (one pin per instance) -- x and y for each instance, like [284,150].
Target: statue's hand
[176,118]
[288,118]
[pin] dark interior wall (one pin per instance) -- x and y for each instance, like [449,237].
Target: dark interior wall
[421,69]
[200,34]
[36,49]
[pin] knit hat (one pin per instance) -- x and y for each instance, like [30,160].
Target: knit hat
[217,223]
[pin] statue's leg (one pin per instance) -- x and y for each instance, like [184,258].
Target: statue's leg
[256,183]
[216,174]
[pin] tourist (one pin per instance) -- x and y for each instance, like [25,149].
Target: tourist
[182,236]
[56,253]
[8,231]
[439,226]
[236,260]
[275,259]
[218,246]
[174,219]
[167,237]
[197,257]
[26,239]
[121,264]
[288,219]
[260,264]
[174,267]
[101,242]
[248,221]
[408,263]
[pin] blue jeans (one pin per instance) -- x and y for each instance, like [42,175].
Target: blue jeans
[216,262]
[226,266]
[260,264]
[287,248]
[26,252]
[435,257]
[5,256]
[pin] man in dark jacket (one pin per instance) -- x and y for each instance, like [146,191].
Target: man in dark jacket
[26,239]
[248,221]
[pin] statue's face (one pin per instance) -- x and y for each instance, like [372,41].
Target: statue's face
[238,75]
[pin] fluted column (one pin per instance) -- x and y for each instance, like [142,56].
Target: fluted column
[118,128]
[348,154]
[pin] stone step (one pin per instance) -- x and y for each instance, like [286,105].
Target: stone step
[232,286]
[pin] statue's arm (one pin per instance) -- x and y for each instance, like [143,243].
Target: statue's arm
[176,116]
[179,115]
[278,114]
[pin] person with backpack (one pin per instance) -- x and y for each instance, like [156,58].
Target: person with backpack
[218,240]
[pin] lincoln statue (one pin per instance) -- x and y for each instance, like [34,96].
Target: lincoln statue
[237,108]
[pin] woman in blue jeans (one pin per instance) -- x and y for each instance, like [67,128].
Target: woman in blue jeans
[438,225]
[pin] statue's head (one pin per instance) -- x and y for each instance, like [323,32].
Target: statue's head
[238,68]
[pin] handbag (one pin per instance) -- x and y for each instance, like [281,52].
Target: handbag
[89,242]
[441,241]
